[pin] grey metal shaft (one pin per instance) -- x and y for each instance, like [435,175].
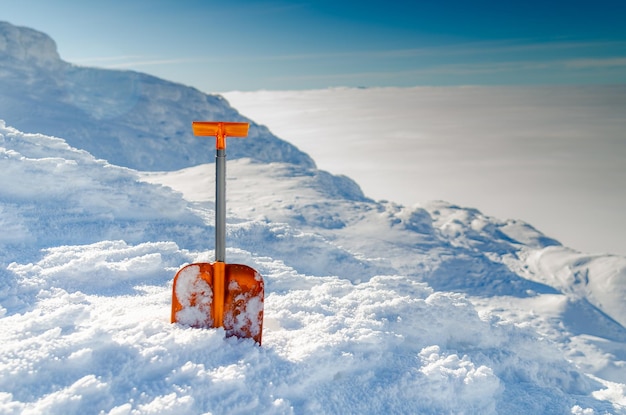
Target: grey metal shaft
[220,206]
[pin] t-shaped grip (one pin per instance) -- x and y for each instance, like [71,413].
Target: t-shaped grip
[220,130]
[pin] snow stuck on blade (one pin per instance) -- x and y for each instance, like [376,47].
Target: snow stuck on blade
[244,321]
[196,297]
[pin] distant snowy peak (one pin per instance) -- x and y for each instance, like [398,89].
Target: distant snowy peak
[128,118]
[27,45]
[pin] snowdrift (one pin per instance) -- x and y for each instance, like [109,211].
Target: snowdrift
[85,315]
[371,307]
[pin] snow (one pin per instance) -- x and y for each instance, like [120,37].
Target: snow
[196,296]
[127,118]
[370,306]
[24,44]
[86,325]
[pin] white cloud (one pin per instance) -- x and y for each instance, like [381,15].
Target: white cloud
[553,156]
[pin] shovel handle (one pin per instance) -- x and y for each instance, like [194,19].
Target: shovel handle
[220,130]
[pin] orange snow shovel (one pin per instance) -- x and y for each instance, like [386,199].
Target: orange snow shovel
[219,294]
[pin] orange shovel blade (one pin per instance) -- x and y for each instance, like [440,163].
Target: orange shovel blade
[195,302]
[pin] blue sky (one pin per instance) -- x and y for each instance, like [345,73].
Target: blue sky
[245,45]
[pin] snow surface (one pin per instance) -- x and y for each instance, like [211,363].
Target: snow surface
[370,307]
[85,321]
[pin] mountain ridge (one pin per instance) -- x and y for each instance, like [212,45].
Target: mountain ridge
[118,115]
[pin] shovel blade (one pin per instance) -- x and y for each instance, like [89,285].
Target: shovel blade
[195,302]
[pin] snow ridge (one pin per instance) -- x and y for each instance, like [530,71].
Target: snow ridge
[128,118]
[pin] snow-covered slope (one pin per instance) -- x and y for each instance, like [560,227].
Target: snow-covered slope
[85,321]
[127,118]
[371,307]
[502,265]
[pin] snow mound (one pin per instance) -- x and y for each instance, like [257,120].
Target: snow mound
[601,279]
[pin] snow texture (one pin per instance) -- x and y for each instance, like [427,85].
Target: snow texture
[196,297]
[370,307]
